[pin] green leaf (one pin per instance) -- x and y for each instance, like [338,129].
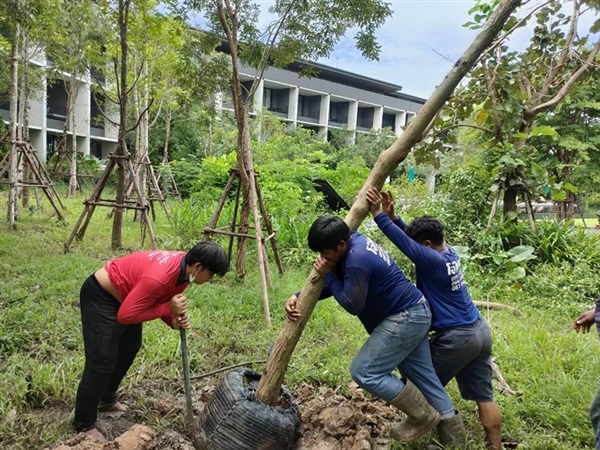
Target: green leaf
[543,130]
[521,253]
[517,273]
[482,116]
[569,187]
[462,251]
[559,195]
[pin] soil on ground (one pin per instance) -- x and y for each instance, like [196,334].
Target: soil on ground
[330,421]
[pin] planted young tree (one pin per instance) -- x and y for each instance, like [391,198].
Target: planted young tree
[76,24]
[300,30]
[175,71]
[118,49]
[509,90]
[24,22]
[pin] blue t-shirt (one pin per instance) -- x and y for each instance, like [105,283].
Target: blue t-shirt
[439,277]
[367,283]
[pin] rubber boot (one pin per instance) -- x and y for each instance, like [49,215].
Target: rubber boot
[452,432]
[421,417]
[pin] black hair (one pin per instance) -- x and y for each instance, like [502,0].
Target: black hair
[327,232]
[210,255]
[426,228]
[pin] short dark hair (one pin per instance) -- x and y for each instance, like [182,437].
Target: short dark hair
[426,228]
[327,232]
[210,255]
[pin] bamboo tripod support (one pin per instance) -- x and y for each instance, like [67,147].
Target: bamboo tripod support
[169,185]
[96,200]
[27,156]
[154,191]
[494,211]
[232,230]
[66,155]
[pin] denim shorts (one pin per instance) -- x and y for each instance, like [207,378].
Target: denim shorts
[464,353]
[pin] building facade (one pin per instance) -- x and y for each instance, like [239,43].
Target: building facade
[48,113]
[333,99]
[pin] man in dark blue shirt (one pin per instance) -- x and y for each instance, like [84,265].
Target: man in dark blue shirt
[367,283]
[462,342]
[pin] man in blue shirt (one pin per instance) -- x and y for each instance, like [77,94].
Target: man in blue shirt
[367,283]
[461,343]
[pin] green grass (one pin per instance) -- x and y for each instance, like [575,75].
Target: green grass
[41,351]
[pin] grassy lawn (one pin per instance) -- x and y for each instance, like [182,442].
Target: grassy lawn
[554,370]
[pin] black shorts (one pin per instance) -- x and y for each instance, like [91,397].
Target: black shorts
[464,353]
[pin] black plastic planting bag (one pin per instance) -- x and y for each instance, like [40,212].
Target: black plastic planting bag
[235,420]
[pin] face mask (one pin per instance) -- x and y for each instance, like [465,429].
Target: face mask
[193,276]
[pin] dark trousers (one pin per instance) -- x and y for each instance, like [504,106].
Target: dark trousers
[110,349]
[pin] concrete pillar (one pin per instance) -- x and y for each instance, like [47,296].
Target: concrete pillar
[83,105]
[352,114]
[293,105]
[257,101]
[400,121]
[377,117]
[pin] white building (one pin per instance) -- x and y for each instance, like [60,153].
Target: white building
[47,115]
[333,99]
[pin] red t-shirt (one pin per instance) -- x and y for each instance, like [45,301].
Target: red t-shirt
[146,281]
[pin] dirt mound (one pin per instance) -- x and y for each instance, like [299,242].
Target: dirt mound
[138,437]
[331,421]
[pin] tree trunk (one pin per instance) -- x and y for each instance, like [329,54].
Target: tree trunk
[13,207]
[274,371]
[510,201]
[168,119]
[71,101]
[121,151]
[24,112]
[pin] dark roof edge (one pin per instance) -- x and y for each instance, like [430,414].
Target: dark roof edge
[382,87]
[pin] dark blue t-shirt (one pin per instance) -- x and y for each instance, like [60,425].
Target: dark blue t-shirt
[367,283]
[439,277]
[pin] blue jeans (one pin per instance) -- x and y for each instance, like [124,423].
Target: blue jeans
[595,417]
[400,341]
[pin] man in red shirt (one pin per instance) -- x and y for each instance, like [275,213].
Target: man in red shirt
[115,300]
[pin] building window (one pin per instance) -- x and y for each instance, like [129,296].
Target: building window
[389,121]
[309,106]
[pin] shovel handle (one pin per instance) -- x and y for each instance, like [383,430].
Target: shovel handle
[186,377]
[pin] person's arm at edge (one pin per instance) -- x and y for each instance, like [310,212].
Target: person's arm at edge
[412,249]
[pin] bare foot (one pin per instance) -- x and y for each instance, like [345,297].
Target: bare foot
[95,434]
[115,407]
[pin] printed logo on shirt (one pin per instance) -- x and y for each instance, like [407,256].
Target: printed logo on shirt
[457,281]
[377,250]
[160,256]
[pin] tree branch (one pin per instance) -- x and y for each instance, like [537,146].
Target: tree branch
[116,124]
[466,125]
[264,61]
[151,124]
[137,122]
[499,41]
[550,79]
[562,93]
